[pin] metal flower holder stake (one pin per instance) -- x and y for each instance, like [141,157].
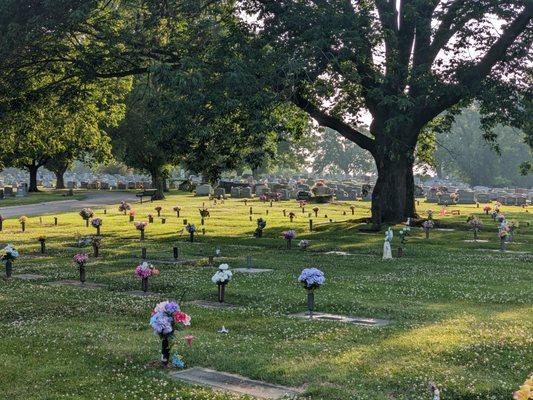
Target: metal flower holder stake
[310,302]
[221,292]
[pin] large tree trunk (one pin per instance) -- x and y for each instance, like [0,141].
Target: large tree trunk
[393,198]
[158,185]
[60,178]
[32,169]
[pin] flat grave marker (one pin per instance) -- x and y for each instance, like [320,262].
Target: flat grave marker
[234,383]
[372,322]
[78,284]
[29,277]
[213,304]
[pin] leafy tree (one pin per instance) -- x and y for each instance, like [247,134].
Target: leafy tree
[335,155]
[55,131]
[462,152]
[404,62]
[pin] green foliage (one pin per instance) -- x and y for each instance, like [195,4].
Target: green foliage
[463,152]
[337,155]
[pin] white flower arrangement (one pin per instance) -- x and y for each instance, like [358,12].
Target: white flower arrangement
[223,275]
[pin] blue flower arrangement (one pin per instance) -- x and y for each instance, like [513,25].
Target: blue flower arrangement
[312,278]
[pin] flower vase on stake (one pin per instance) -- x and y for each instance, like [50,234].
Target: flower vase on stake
[476,225]
[145,271]
[97,223]
[124,207]
[86,214]
[23,221]
[1,223]
[96,243]
[42,241]
[428,225]
[166,319]
[311,279]
[177,209]
[191,228]
[261,224]
[9,256]
[158,210]
[403,235]
[132,215]
[81,259]
[289,236]
[221,278]
[141,226]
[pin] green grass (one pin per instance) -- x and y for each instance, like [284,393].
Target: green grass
[462,317]
[40,197]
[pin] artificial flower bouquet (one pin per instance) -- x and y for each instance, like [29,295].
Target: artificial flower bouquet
[166,319]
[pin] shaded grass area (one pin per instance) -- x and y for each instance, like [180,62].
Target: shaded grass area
[462,317]
[40,197]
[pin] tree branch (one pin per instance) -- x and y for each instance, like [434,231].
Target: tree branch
[334,123]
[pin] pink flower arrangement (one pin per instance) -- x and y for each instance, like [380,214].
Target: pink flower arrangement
[140,225]
[81,258]
[145,270]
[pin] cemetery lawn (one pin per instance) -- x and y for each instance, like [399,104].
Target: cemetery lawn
[40,197]
[461,312]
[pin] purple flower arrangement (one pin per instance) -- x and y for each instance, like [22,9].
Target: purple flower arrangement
[289,236]
[145,270]
[96,222]
[166,319]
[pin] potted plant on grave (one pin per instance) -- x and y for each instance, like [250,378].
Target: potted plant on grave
[42,241]
[261,224]
[97,223]
[487,209]
[191,228]
[86,214]
[9,256]
[145,271]
[428,225]
[81,259]
[311,278]
[221,279]
[141,226]
[316,210]
[476,225]
[124,207]
[177,210]
[23,221]
[158,210]
[96,243]
[303,244]
[289,236]
[166,319]
[132,215]
[404,232]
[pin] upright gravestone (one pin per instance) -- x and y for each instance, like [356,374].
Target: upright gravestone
[8,191]
[261,189]
[220,192]
[204,190]
[235,192]
[466,197]
[482,197]
[246,192]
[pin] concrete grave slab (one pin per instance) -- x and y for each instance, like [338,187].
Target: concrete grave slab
[140,293]
[234,384]
[213,304]
[317,316]
[29,277]
[78,284]
[252,270]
